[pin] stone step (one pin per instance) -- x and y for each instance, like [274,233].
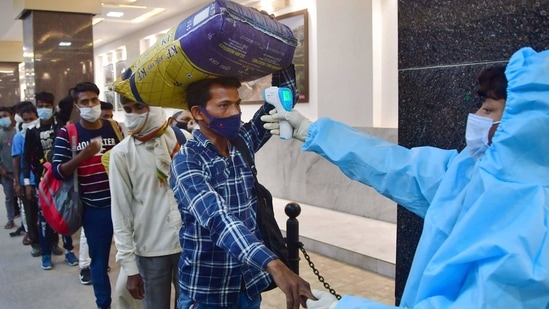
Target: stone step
[358,241]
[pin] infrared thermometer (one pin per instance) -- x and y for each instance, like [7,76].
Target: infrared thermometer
[283,100]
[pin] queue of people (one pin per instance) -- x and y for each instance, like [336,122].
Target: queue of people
[182,209]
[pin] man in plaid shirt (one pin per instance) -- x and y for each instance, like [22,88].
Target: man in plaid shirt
[224,263]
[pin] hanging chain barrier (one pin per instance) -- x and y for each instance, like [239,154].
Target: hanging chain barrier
[293,210]
[317,273]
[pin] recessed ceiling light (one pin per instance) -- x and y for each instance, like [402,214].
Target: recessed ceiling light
[63,43]
[115,14]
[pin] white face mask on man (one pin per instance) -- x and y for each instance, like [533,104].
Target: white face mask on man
[90,114]
[476,134]
[135,122]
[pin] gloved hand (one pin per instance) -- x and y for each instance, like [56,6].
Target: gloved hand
[296,120]
[325,300]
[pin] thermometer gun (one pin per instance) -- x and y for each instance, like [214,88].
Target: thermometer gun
[283,100]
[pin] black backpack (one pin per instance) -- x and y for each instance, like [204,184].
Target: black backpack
[266,222]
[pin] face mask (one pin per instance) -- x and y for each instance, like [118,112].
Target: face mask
[182,125]
[30,125]
[90,114]
[5,122]
[135,122]
[228,127]
[18,118]
[45,113]
[476,134]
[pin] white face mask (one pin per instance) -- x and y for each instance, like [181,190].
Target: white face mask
[90,114]
[135,122]
[476,134]
[29,125]
[18,118]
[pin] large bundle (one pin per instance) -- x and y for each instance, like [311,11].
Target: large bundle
[221,39]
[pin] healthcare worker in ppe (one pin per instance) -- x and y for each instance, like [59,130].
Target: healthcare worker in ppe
[485,240]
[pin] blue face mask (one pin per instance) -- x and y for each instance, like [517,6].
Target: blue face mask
[228,127]
[5,122]
[45,113]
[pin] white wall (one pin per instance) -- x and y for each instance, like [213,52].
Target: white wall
[353,78]
[350,79]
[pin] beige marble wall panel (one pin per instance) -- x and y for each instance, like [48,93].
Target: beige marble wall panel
[49,65]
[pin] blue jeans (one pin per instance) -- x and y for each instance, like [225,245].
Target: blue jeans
[159,273]
[9,194]
[98,225]
[243,303]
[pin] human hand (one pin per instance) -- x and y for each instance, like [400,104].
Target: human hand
[296,120]
[18,189]
[325,300]
[296,289]
[135,286]
[93,147]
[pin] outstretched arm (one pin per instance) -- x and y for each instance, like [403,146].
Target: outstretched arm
[296,289]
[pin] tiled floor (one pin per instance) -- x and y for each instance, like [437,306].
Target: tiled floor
[24,285]
[343,278]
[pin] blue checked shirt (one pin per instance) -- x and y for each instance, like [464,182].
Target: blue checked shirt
[222,247]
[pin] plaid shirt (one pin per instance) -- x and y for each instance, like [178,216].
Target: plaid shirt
[222,247]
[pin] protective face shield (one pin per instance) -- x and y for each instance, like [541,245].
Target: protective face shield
[476,134]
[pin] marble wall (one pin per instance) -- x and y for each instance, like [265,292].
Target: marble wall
[443,45]
[305,177]
[49,65]
[9,83]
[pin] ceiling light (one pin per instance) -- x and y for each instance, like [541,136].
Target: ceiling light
[65,44]
[115,14]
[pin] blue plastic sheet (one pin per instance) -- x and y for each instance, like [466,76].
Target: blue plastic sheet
[485,239]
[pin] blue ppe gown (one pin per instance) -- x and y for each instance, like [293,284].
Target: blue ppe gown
[485,241]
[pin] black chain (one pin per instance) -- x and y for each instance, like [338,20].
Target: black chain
[317,273]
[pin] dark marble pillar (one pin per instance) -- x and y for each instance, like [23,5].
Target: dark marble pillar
[58,51]
[9,83]
[443,45]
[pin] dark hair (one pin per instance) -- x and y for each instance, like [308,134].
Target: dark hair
[106,106]
[28,109]
[65,109]
[492,83]
[8,109]
[19,106]
[176,114]
[43,96]
[198,93]
[82,87]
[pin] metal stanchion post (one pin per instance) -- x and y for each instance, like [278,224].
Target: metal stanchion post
[293,210]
